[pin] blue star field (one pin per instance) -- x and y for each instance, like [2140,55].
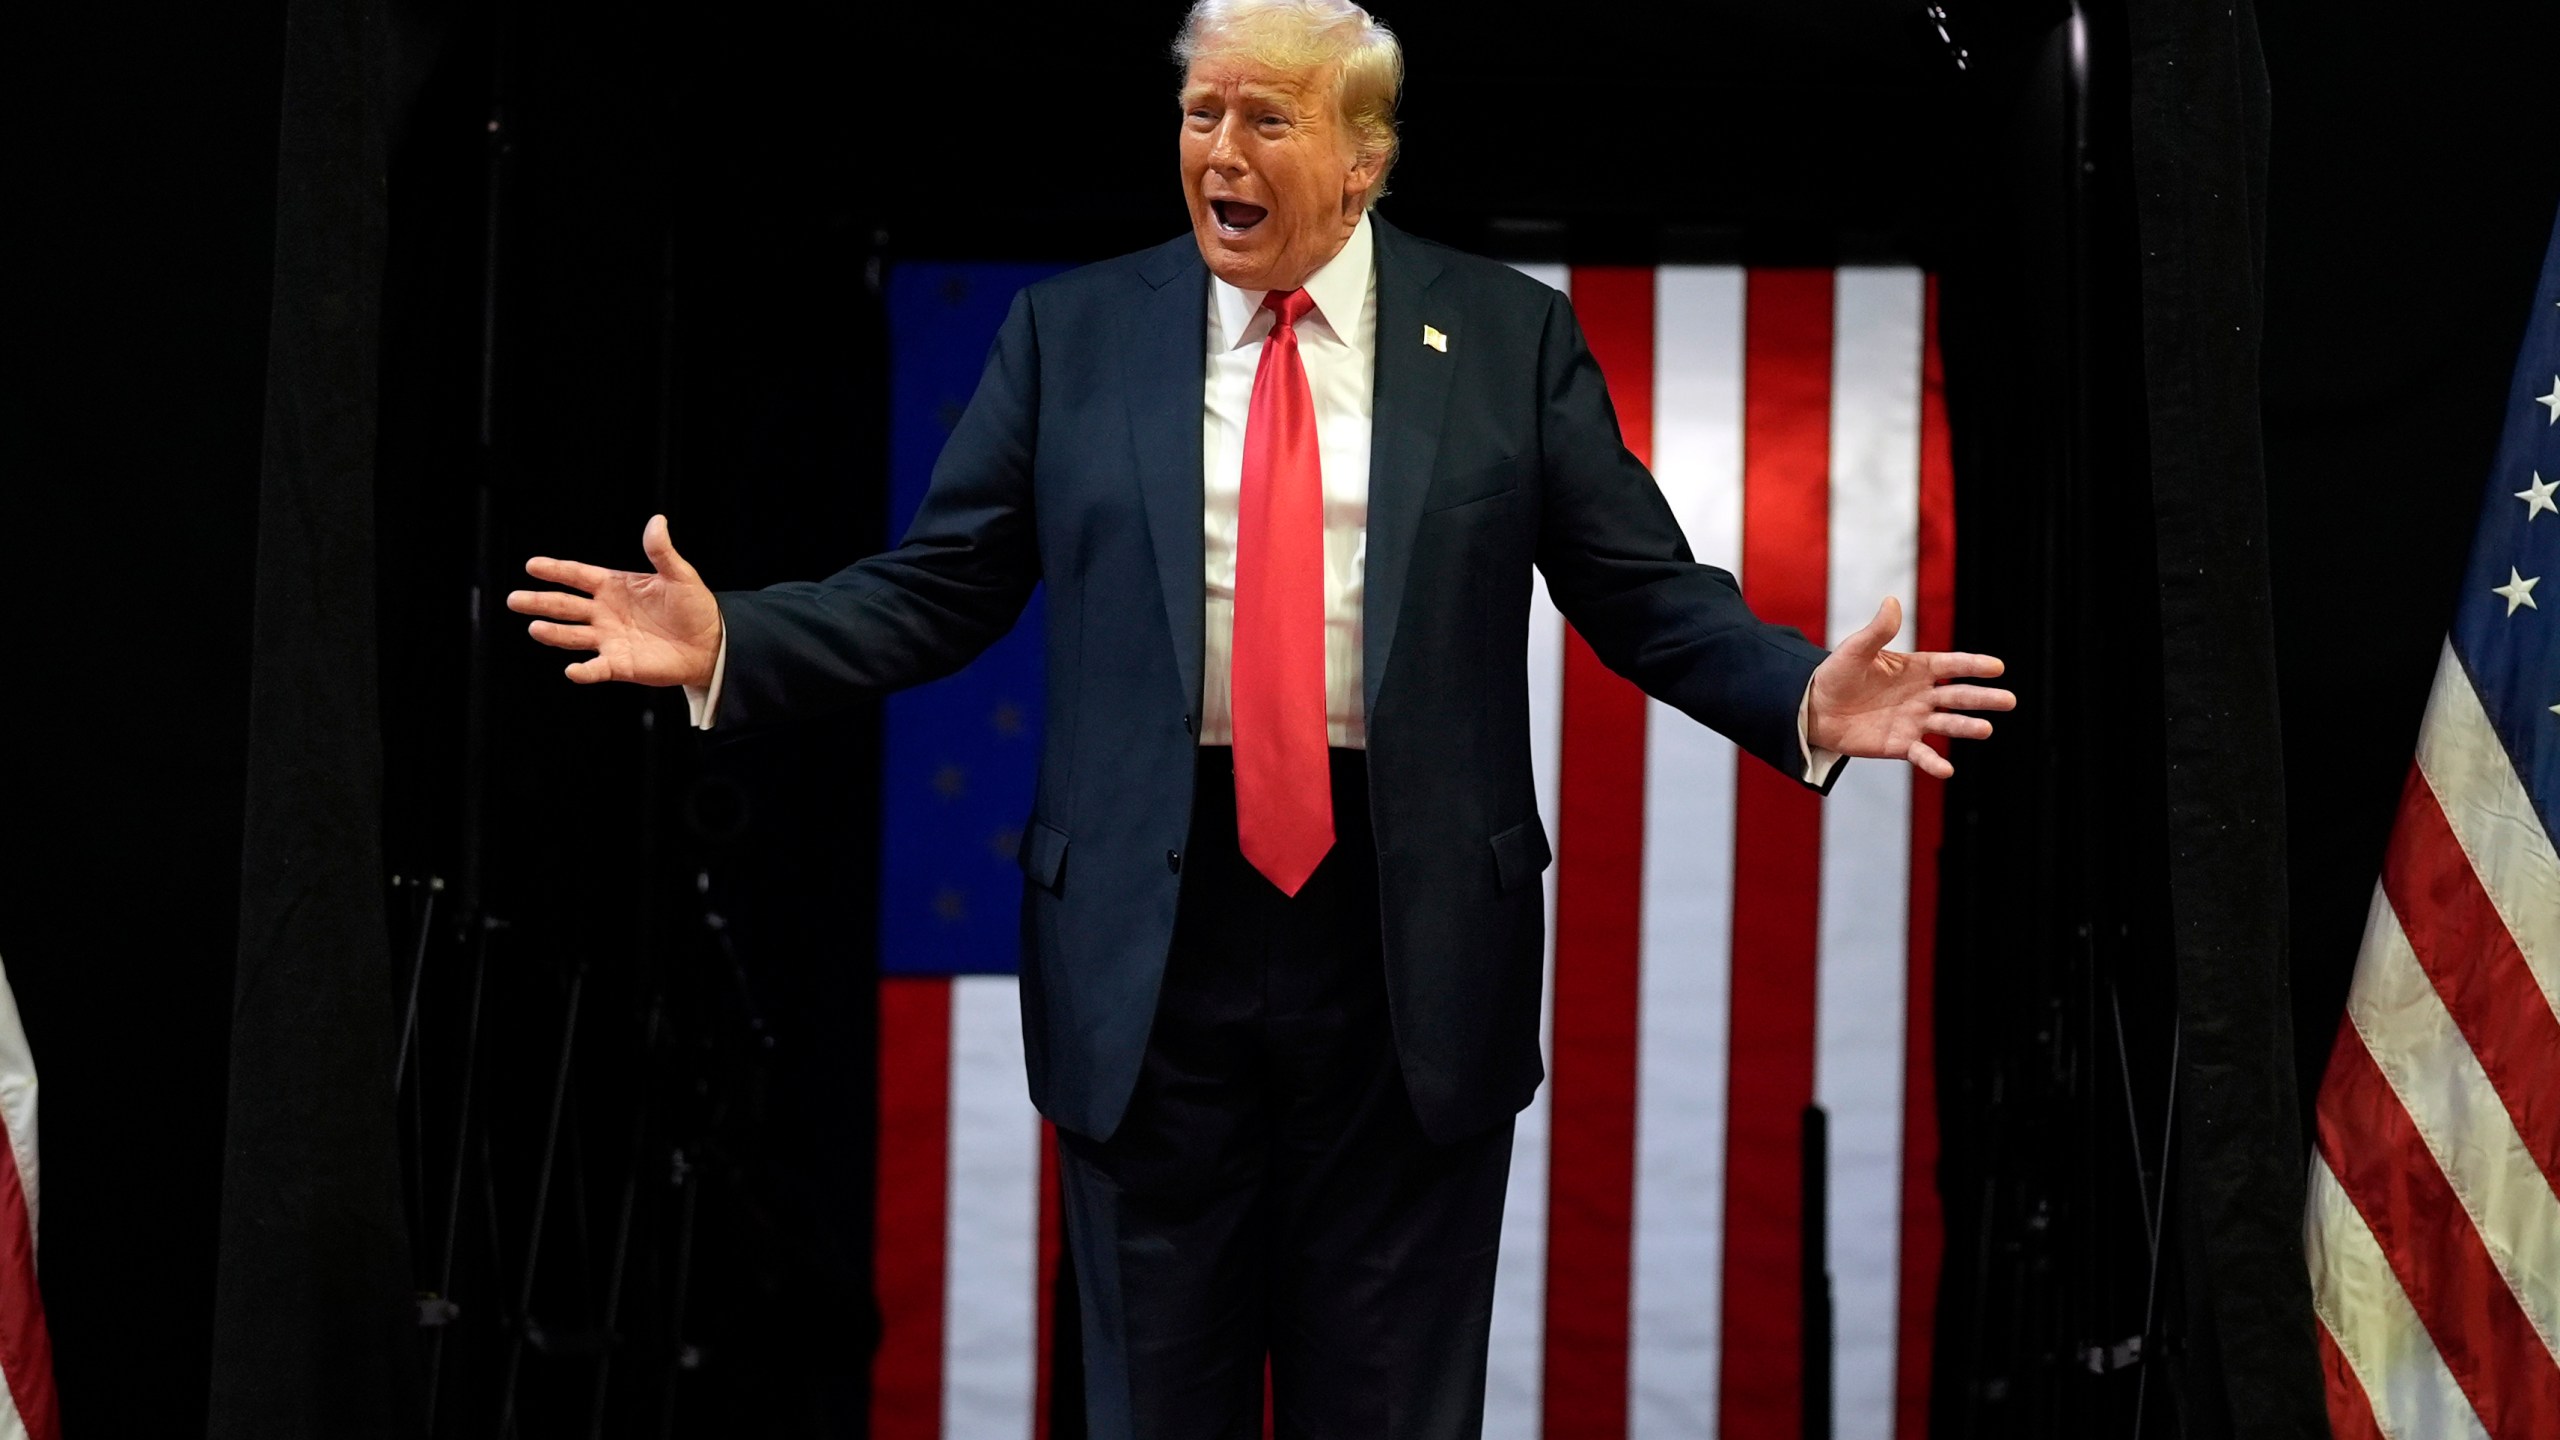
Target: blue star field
[2506,627]
[960,756]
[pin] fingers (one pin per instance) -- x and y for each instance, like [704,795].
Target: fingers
[564,637]
[661,549]
[1957,665]
[1929,762]
[1957,727]
[590,672]
[1879,632]
[556,604]
[1971,697]
[589,578]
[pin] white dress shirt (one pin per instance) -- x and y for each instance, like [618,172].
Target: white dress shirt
[1338,343]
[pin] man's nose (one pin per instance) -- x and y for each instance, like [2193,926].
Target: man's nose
[1223,153]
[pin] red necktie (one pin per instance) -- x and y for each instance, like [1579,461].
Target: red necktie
[1284,793]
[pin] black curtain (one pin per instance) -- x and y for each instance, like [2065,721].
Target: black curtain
[2199,124]
[313,1313]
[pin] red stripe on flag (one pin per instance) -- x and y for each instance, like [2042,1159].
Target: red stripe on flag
[2471,957]
[1052,1233]
[1614,304]
[1786,557]
[915,1169]
[2350,1409]
[1599,902]
[1933,628]
[2482,1333]
[26,1346]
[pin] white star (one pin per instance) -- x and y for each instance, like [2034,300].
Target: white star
[2537,497]
[2518,590]
[2552,400]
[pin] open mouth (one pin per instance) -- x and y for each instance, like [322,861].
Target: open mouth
[1235,217]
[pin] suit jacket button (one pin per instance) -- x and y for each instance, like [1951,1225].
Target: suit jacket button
[1173,861]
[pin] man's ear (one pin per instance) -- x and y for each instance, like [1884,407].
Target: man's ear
[1362,179]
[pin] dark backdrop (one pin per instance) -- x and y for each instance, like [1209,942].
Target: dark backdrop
[700,200]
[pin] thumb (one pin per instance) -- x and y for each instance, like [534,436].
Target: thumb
[661,550]
[1879,632]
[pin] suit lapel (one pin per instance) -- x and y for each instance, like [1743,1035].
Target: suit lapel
[1411,397]
[1168,365]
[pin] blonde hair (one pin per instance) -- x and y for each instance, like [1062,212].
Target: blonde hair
[1368,65]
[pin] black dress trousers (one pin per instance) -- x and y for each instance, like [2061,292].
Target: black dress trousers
[1270,1193]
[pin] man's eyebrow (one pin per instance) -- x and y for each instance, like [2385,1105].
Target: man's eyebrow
[1266,94]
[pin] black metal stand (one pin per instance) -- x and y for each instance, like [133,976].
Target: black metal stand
[1819,1337]
[489,1299]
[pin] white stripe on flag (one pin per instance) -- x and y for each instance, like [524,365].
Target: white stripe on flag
[1866,840]
[2475,781]
[2414,1397]
[990,1326]
[1697,406]
[2456,1110]
[1687,928]
[1514,1389]
[18,1101]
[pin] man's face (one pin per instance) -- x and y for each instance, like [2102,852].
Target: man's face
[1274,177]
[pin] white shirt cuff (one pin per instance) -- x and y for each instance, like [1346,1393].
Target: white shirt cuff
[1818,762]
[704,700]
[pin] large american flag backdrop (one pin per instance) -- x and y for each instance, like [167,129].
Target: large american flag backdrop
[1724,950]
[2434,1217]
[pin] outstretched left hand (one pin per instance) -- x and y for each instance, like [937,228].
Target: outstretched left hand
[1878,703]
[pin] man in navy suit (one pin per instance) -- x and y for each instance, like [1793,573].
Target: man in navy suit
[1286,479]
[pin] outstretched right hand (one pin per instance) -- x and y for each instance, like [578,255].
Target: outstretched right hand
[656,629]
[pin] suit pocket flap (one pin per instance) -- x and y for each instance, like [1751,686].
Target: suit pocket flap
[1043,854]
[1500,478]
[1520,854]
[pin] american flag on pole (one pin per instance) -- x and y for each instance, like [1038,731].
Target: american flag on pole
[2433,1227]
[1724,948]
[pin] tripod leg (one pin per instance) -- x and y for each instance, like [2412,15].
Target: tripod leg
[541,1203]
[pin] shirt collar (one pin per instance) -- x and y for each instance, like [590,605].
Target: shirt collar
[1340,287]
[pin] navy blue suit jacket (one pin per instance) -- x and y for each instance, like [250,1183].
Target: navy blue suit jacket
[1078,464]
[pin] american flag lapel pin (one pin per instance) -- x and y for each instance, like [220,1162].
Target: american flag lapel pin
[1435,339]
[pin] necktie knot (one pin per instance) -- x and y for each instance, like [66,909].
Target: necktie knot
[1291,306]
